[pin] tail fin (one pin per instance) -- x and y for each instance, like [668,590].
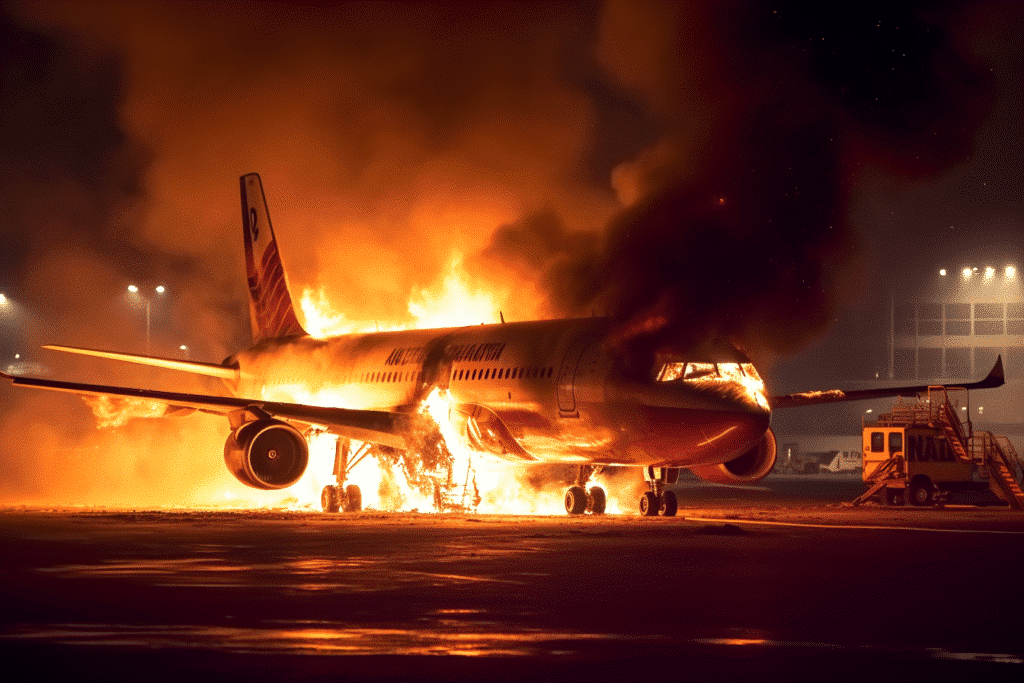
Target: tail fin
[270,305]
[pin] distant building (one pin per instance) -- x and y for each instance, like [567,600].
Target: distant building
[957,330]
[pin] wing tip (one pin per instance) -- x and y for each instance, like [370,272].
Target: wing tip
[996,377]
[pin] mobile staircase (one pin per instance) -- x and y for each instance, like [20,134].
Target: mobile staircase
[923,450]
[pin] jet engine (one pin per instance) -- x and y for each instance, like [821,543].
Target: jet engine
[266,454]
[751,466]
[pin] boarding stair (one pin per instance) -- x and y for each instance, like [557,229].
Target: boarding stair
[1003,464]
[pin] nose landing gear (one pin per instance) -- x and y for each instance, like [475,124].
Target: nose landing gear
[659,501]
[578,499]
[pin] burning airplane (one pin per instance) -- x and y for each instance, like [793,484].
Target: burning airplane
[538,392]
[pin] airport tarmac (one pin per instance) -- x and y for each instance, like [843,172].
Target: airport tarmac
[742,585]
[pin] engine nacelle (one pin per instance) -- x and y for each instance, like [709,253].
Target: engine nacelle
[266,454]
[751,466]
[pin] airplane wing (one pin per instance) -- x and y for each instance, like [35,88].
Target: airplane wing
[377,426]
[227,372]
[807,398]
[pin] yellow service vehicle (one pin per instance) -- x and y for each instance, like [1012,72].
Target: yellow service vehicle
[924,451]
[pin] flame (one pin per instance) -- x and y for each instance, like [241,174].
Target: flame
[115,411]
[454,301]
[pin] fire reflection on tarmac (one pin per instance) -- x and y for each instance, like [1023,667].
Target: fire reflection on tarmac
[439,638]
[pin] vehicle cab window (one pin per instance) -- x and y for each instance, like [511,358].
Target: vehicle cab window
[877,442]
[895,442]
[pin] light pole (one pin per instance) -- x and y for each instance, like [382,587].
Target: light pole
[159,290]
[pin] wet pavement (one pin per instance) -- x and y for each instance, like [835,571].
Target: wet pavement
[729,590]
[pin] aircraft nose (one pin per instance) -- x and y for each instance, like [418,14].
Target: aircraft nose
[680,418]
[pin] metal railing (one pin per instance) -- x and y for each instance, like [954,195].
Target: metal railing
[1013,460]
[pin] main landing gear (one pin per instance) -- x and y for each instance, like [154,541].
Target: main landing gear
[659,501]
[349,498]
[579,499]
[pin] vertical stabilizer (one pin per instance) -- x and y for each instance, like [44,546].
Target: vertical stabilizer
[270,305]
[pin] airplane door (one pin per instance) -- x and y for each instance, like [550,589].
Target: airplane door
[566,375]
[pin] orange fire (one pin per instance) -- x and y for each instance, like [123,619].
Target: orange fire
[115,411]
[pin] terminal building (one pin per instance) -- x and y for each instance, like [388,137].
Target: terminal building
[957,330]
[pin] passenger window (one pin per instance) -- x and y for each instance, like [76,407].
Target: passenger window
[895,442]
[877,442]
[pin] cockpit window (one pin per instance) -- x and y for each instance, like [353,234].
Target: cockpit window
[730,371]
[671,371]
[698,370]
[737,377]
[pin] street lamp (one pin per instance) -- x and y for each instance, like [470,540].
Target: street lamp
[159,290]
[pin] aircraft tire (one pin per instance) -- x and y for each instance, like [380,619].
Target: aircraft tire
[649,504]
[575,500]
[596,500]
[921,492]
[668,504]
[329,499]
[353,498]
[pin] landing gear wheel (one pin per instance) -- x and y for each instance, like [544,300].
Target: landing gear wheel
[596,500]
[668,504]
[649,504]
[329,499]
[575,500]
[894,497]
[353,498]
[922,493]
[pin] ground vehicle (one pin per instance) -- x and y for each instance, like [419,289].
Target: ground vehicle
[924,450]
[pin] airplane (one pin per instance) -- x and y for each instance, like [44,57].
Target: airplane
[544,391]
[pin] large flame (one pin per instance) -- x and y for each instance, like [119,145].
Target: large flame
[455,301]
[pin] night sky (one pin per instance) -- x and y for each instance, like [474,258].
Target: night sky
[767,172]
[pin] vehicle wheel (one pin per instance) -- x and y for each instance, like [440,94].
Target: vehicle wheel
[648,504]
[596,501]
[921,492]
[575,500]
[894,497]
[329,499]
[668,504]
[353,498]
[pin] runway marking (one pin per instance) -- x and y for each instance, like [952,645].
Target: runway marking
[851,526]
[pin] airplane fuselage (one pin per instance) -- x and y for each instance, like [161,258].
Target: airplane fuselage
[539,391]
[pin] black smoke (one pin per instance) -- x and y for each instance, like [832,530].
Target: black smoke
[770,115]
